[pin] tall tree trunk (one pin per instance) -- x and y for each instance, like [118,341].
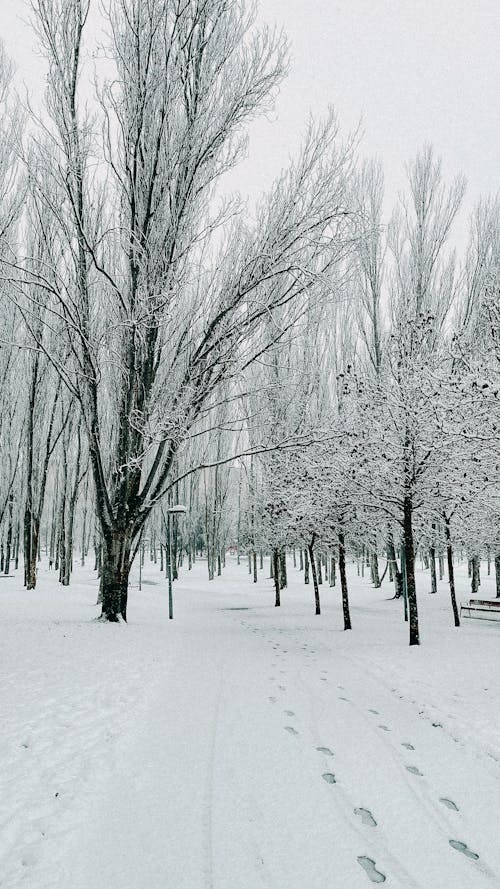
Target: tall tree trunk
[497,574]
[475,575]
[410,569]
[84,520]
[396,573]
[115,569]
[68,565]
[283,572]
[451,572]
[17,541]
[275,575]
[441,565]
[306,566]
[343,583]
[374,569]
[314,575]
[8,542]
[432,563]
[318,569]
[62,517]
[332,570]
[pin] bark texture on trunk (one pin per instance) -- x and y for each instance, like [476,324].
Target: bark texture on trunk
[451,574]
[312,561]
[282,567]
[375,570]
[475,575]
[332,571]
[397,575]
[410,571]
[432,563]
[115,569]
[275,574]
[343,583]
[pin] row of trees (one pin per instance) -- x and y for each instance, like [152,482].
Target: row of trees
[308,377]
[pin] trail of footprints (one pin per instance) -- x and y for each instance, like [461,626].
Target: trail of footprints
[366,816]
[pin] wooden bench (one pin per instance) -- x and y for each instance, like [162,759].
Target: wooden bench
[483,609]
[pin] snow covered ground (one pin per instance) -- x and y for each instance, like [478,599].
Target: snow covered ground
[242,746]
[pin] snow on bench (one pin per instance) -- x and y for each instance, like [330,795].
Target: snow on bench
[483,609]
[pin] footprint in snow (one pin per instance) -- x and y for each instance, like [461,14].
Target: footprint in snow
[372,873]
[325,750]
[462,847]
[281,687]
[329,778]
[414,770]
[448,803]
[341,698]
[366,816]
[291,730]
[407,745]
[384,728]
[289,712]
[272,699]
[373,711]
[323,678]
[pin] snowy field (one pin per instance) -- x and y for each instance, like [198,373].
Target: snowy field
[246,747]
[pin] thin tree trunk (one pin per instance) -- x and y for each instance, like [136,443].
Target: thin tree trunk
[283,573]
[441,565]
[451,573]
[410,570]
[374,569]
[318,568]
[275,574]
[8,542]
[396,573]
[332,570]
[475,575]
[314,575]
[343,583]
[432,563]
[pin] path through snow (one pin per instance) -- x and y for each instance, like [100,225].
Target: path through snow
[246,747]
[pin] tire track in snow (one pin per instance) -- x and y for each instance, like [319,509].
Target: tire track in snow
[209,791]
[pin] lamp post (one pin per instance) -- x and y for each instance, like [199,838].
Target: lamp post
[178,509]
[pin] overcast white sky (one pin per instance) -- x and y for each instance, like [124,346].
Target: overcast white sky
[412,70]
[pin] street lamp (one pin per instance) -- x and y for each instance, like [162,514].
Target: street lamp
[178,509]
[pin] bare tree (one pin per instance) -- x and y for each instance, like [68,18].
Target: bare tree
[152,325]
